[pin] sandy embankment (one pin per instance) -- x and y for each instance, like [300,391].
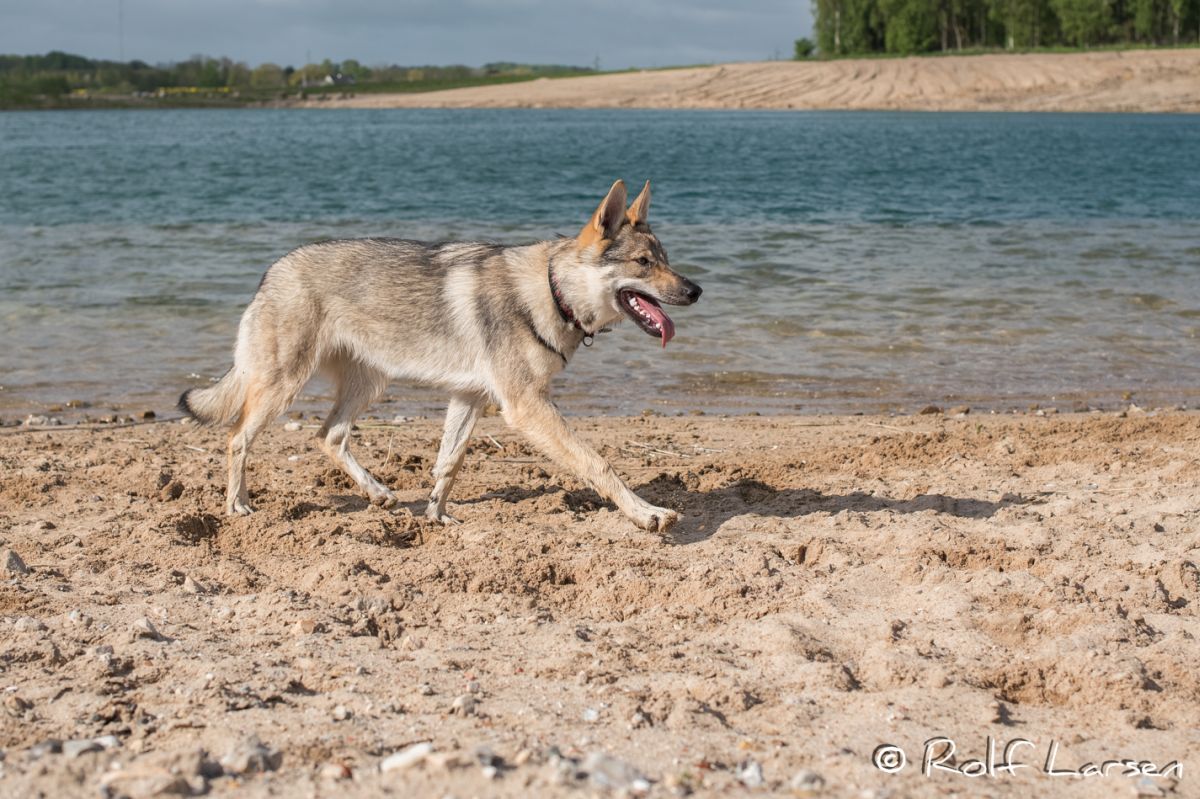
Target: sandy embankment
[837,583]
[1137,80]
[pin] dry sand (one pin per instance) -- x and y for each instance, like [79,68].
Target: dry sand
[1133,80]
[837,583]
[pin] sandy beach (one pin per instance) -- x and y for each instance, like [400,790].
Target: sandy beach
[837,583]
[1133,80]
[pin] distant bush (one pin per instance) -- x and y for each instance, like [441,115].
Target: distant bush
[804,49]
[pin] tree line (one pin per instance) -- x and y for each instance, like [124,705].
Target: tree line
[39,79]
[853,27]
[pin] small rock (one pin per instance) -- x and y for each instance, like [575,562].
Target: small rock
[50,746]
[35,421]
[76,748]
[463,706]
[425,689]
[806,782]
[293,427]
[336,771]
[171,491]
[485,756]
[80,619]
[15,706]
[306,626]
[929,410]
[28,624]
[522,757]
[193,587]
[13,563]
[144,628]
[750,774]
[251,757]
[591,715]
[108,741]
[606,771]
[473,687]
[342,713]
[406,758]
[959,410]
[147,415]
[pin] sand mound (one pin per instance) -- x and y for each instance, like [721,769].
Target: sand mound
[1133,80]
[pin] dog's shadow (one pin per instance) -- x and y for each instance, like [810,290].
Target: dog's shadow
[703,512]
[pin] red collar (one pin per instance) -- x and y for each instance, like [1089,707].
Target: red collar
[564,310]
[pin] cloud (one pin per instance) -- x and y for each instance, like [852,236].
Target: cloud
[622,33]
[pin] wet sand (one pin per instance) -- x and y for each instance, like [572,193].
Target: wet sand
[837,583]
[1131,80]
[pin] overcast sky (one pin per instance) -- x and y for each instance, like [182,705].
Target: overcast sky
[621,33]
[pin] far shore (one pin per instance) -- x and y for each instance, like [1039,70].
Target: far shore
[1106,81]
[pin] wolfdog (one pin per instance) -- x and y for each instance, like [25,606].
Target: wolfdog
[489,323]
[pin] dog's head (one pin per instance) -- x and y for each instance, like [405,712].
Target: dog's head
[626,269]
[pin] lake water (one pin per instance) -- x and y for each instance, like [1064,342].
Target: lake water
[850,261]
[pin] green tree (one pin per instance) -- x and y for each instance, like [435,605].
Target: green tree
[804,49]
[1084,22]
[267,76]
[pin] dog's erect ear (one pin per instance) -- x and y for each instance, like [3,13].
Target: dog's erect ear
[641,206]
[608,218]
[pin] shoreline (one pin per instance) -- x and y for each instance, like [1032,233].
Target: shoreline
[835,583]
[1127,81]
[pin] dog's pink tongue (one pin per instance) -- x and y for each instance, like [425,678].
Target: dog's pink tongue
[656,313]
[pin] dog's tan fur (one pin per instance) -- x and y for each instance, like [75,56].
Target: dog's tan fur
[477,319]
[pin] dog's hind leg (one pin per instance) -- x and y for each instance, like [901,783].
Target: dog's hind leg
[258,409]
[357,385]
[460,421]
[533,414]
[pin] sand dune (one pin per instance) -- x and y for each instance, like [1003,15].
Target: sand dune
[1145,80]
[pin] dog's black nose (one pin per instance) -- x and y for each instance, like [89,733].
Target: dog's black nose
[691,290]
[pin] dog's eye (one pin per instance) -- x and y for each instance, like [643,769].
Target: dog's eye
[644,261]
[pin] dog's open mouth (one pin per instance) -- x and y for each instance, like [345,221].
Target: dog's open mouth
[647,313]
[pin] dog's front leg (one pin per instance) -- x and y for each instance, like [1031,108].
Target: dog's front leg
[534,415]
[460,421]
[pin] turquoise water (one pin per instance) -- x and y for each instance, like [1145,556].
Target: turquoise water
[850,261]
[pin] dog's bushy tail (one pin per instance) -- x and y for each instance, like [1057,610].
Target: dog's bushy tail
[219,404]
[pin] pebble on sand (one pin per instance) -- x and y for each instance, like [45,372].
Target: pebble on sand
[251,756]
[606,771]
[28,624]
[750,774]
[463,706]
[13,563]
[144,628]
[805,782]
[406,758]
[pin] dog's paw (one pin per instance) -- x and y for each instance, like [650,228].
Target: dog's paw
[433,514]
[655,520]
[385,500]
[239,507]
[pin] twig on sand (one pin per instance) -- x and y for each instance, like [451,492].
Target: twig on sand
[391,439]
[495,443]
[656,450]
[194,449]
